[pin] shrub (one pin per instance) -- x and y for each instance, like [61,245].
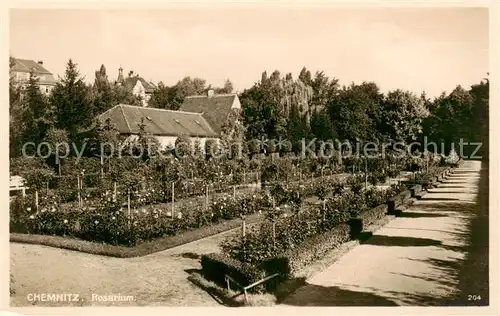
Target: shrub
[216,266]
[316,247]
[374,214]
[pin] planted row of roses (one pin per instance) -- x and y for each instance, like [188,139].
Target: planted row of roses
[114,224]
[284,230]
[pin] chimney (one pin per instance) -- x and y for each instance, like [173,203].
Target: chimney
[40,62]
[210,93]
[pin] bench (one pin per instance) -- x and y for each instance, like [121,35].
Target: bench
[16,183]
[244,289]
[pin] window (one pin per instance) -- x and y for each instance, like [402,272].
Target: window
[46,89]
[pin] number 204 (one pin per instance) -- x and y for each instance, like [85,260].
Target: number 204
[474,297]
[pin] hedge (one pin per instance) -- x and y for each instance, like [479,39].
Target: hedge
[374,214]
[314,248]
[216,266]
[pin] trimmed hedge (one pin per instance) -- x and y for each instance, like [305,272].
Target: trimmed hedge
[315,248]
[415,190]
[398,200]
[374,214]
[216,266]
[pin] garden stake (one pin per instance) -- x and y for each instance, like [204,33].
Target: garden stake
[128,206]
[366,174]
[274,234]
[234,191]
[114,191]
[102,166]
[36,200]
[173,199]
[79,193]
[206,197]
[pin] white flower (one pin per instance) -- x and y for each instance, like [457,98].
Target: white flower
[96,222]
[179,215]
[136,211]
[28,209]
[253,196]
[117,212]
[32,217]
[144,211]
[277,208]
[65,221]
[113,218]
[53,210]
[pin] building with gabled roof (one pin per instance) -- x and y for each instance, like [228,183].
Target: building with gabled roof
[199,118]
[165,125]
[137,85]
[22,68]
[215,108]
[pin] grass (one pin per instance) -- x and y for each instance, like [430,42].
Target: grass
[143,249]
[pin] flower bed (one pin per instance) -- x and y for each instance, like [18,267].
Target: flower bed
[308,235]
[110,223]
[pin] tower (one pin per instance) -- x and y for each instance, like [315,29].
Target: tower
[120,78]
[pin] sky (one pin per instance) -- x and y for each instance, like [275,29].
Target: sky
[417,49]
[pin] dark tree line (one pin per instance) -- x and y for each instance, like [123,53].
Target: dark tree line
[317,107]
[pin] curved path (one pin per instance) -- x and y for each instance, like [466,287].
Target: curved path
[415,260]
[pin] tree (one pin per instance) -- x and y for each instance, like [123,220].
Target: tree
[55,137]
[297,128]
[355,111]
[403,114]
[16,125]
[321,125]
[37,115]
[161,97]
[71,100]
[121,95]
[261,113]
[228,87]
[102,97]
[305,76]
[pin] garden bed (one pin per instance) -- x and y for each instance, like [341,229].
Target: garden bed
[143,249]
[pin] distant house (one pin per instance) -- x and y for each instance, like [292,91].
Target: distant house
[215,108]
[137,85]
[21,73]
[200,118]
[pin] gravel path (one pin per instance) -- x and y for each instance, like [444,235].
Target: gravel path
[159,279]
[414,260]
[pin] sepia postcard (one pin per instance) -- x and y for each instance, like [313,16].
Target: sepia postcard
[247,154]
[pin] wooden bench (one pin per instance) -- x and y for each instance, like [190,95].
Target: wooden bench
[16,183]
[244,289]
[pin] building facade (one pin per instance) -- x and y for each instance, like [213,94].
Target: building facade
[200,118]
[22,69]
[137,85]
